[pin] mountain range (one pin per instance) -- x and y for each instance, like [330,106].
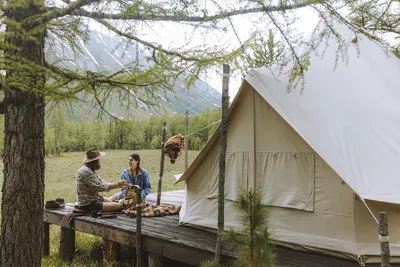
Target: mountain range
[109,53]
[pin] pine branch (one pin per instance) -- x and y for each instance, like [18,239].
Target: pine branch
[385,29]
[349,24]
[101,104]
[384,26]
[383,14]
[234,30]
[53,13]
[99,79]
[293,52]
[176,17]
[321,14]
[148,44]
[288,42]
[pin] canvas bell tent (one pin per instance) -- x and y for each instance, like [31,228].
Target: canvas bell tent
[327,161]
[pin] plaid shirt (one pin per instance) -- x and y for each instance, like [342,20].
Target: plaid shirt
[142,179]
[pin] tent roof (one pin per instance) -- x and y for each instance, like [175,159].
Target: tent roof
[350,116]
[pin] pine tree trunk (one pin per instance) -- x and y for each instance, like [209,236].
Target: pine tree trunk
[23,186]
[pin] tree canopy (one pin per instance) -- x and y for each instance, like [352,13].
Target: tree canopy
[271,37]
[273,31]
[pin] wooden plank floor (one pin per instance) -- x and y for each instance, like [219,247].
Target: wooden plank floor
[163,236]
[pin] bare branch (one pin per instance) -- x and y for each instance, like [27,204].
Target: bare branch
[2,107]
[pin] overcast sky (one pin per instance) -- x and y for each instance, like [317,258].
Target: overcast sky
[172,35]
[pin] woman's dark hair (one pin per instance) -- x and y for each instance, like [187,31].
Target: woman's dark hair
[93,165]
[137,158]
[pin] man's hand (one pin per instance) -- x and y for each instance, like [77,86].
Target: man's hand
[123,183]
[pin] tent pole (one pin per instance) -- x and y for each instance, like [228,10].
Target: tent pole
[186,138]
[254,140]
[164,135]
[222,159]
[384,239]
[139,255]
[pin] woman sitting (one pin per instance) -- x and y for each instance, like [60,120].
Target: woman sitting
[135,175]
[89,184]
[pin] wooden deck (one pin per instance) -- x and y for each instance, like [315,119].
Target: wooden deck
[162,236]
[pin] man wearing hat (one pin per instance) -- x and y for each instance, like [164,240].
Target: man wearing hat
[89,184]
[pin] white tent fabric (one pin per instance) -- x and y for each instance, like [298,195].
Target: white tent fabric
[350,116]
[177,176]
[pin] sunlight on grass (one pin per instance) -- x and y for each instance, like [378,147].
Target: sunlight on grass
[60,182]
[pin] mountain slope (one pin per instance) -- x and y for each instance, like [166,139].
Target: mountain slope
[110,54]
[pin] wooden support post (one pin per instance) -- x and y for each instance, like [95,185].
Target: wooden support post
[384,239]
[111,251]
[46,239]
[222,159]
[67,244]
[139,254]
[186,139]
[164,135]
[155,260]
[127,255]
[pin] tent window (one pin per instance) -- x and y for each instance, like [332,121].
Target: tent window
[236,175]
[286,179]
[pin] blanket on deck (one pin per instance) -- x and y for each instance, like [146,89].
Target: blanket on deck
[151,210]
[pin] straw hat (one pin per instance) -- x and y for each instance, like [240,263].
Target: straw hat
[93,154]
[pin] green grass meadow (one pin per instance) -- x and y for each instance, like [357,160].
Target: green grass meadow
[60,182]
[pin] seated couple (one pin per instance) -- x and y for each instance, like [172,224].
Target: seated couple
[89,183]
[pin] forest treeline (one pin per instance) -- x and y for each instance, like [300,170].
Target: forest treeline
[65,135]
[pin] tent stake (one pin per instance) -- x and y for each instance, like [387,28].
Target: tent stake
[384,239]
[222,159]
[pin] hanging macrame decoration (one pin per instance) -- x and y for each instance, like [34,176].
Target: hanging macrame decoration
[174,146]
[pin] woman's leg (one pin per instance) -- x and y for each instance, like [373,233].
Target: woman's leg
[111,206]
